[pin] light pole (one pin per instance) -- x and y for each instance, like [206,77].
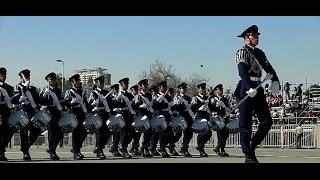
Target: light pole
[62,80]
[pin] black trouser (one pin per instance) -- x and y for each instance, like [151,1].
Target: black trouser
[103,133]
[79,133]
[147,134]
[187,133]
[28,140]
[259,106]
[6,132]
[223,135]
[136,138]
[55,133]
[203,138]
[126,133]
[166,135]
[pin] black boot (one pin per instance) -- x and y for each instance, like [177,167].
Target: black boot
[223,153]
[251,158]
[26,156]
[53,155]
[77,155]
[3,157]
[100,154]
[115,152]
[217,150]
[202,152]
[164,153]
[145,152]
[125,153]
[185,152]
[173,152]
[154,152]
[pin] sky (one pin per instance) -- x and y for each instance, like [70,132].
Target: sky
[128,45]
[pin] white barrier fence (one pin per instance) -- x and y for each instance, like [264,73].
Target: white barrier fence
[278,137]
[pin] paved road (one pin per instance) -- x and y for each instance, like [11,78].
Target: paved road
[264,155]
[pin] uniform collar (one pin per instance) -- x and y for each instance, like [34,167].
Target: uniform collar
[2,83]
[250,47]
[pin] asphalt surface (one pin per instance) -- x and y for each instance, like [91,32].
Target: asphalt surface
[264,155]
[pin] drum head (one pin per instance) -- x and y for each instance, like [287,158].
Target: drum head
[141,123]
[178,124]
[92,123]
[18,120]
[68,122]
[158,123]
[233,125]
[116,122]
[200,126]
[41,119]
[216,122]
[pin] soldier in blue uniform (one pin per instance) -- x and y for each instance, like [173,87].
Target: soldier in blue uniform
[182,104]
[6,132]
[250,61]
[155,135]
[144,104]
[123,104]
[200,107]
[101,105]
[115,134]
[220,105]
[134,150]
[51,97]
[77,101]
[29,100]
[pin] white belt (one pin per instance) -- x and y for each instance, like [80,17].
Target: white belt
[167,109]
[101,108]
[3,102]
[255,78]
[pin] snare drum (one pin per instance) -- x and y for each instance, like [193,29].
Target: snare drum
[141,123]
[116,122]
[41,119]
[216,122]
[68,122]
[178,124]
[92,123]
[158,123]
[18,120]
[233,126]
[200,126]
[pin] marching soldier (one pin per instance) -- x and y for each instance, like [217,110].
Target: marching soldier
[144,103]
[134,150]
[100,102]
[155,135]
[163,105]
[123,104]
[29,100]
[116,135]
[200,107]
[77,101]
[51,97]
[6,107]
[250,61]
[182,104]
[219,105]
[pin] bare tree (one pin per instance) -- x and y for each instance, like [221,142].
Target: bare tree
[67,84]
[161,71]
[193,80]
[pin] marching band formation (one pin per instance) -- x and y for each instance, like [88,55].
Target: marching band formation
[126,114]
[152,112]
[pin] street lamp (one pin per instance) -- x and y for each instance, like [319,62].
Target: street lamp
[62,80]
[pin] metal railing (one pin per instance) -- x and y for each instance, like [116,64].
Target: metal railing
[279,136]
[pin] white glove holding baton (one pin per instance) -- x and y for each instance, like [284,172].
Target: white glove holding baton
[252,92]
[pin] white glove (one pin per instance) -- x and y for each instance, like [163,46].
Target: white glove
[143,105]
[22,98]
[252,92]
[275,87]
[74,100]
[220,104]
[46,93]
[95,102]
